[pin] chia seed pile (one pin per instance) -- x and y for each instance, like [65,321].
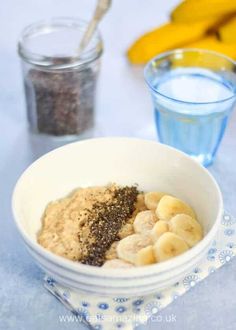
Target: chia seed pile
[105,219]
[60,103]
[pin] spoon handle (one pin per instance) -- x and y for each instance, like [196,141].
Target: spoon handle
[101,9]
[80,317]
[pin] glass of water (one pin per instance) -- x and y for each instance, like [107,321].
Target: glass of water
[194,92]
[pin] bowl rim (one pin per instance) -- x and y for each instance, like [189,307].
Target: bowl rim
[99,272]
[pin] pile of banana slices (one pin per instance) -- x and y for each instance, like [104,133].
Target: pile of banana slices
[168,228]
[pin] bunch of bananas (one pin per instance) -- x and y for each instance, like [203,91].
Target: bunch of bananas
[204,24]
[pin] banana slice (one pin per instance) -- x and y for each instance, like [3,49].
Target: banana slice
[144,221]
[126,230]
[169,245]
[117,263]
[159,229]
[140,204]
[151,199]
[186,227]
[111,253]
[145,256]
[169,206]
[128,247]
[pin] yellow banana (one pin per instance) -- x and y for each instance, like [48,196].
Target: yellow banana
[167,37]
[170,206]
[169,245]
[212,43]
[145,256]
[111,253]
[152,198]
[144,221]
[129,246]
[190,11]
[186,227]
[227,32]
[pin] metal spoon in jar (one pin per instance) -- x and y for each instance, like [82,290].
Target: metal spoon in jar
[100,11]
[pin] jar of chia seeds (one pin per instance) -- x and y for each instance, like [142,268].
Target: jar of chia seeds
[60,83]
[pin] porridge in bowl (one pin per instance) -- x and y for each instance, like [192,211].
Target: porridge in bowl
[119,227]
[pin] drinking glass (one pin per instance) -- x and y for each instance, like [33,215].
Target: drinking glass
[193,92]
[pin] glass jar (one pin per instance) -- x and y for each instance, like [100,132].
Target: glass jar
[60,83]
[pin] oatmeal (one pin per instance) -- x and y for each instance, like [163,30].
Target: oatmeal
[83,226]
[119,227]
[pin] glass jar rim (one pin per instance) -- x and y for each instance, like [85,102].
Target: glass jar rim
[54,62]
[187,50]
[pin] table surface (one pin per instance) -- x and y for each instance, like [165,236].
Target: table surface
[123,108]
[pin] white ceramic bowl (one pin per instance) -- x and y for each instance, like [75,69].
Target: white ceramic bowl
[125,161]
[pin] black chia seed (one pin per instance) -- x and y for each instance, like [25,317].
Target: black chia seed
[60,103]
[105,220]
